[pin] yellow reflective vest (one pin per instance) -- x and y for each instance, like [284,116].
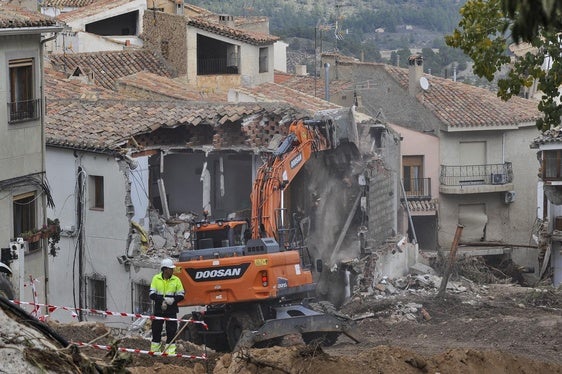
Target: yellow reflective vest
[166,288]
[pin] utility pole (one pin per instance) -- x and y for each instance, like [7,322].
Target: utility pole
[451,263]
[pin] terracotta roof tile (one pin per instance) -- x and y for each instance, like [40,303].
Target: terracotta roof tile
[309,85]
[59,86]
[211,24]
[553,135]
[67,3]
[163,87]
[91,9]
[458,104]
[109,124]
[272,92]
[109,66]
[416,206]
[12,17]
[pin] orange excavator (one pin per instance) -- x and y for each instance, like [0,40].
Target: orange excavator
[254,278]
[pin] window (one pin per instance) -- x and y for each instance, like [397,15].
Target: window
[412,169]
[96,286]
[263,60]
[551,168]
[143,304]
[25,215]
[96,192]
[22,106]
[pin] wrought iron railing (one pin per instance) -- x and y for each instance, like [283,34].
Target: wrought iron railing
[417,188]
[20,111]
[490,174]
[211,66]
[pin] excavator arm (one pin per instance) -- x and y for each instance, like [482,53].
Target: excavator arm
[304,139]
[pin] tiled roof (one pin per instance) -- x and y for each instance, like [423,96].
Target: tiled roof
[59,86]
[109,66]
[553,135]
[91,9]
[272,92]
[67,3]
[419,206]
[309,85]
[109,124]
[459,105]
[250,37]
[12,17]
[164,87]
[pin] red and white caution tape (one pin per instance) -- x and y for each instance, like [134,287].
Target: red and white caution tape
[52,308]
[36,310]
[150,353]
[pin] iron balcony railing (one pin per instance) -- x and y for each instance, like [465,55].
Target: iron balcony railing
[212,66]
[418,188]
[20,111]
[490,174]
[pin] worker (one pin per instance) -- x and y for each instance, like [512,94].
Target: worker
[166,290]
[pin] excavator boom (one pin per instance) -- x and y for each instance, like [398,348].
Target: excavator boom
[306,137]
[256,285]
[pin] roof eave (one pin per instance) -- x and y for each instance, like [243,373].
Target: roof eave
[30,30]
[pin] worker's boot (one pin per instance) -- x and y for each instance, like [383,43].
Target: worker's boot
[155,347]
[171,349]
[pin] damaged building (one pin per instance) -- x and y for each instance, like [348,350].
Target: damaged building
[133,159]
[127,195]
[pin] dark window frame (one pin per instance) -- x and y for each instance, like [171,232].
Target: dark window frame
[24,208]
[22,105]
[143,304]
[97,192]
[263,60]
[97,291]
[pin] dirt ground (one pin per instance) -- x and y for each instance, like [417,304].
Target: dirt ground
[496,328]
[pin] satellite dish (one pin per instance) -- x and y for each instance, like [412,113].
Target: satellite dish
[424,83]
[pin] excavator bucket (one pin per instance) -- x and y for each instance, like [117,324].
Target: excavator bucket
[344,126]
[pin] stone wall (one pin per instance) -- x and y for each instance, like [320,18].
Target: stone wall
[166,35]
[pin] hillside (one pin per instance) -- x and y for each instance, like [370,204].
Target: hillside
[364,28]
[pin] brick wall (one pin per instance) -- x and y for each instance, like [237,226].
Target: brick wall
[382,205]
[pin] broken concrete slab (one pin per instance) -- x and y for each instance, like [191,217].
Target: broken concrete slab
[419,269]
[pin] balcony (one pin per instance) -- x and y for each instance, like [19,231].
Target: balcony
[467,179]
[20,111]
[217,66]
[417,188]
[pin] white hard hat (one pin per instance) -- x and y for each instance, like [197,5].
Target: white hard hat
[167,263]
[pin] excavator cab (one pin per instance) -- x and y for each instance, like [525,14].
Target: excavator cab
[219,233]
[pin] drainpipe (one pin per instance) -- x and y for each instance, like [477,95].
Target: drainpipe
[44,256]
[327,81]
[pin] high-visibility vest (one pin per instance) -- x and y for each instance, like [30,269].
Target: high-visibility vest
[166,287]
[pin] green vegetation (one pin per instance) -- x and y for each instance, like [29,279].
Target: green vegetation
[484,34]
[357,21]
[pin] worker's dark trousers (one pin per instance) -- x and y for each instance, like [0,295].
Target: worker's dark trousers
[171,329]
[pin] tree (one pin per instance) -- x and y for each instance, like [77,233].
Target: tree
[530,16]
[484,34]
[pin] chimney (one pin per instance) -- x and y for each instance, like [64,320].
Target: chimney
[226,20]
[415,72]
[179,7]
[300,70]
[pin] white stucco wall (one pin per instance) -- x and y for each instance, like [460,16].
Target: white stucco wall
[509,223]
[79,24]
[139,190]
[280,54]
[20,143]
[105,232]
[21,155]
